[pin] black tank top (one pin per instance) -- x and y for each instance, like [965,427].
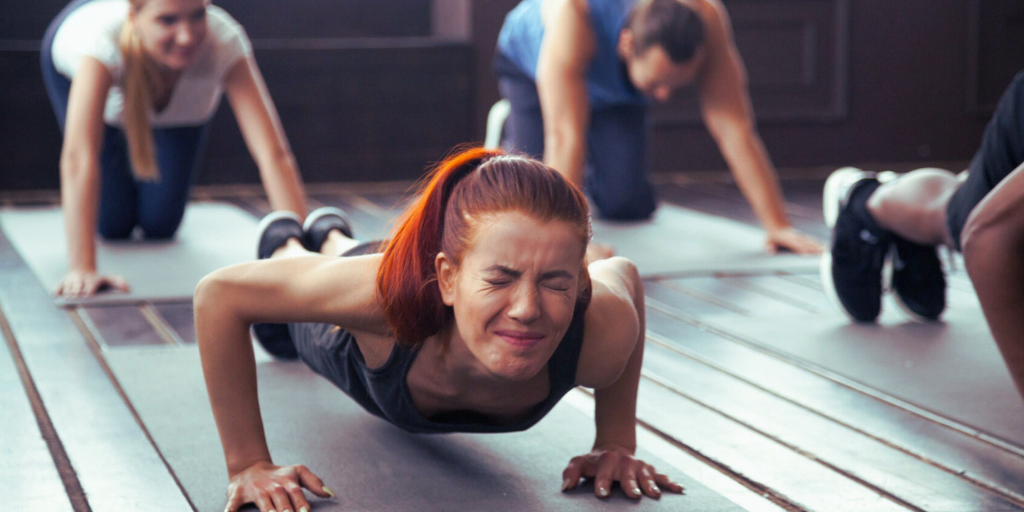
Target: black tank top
[384,391]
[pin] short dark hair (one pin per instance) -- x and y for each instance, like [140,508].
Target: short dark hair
[671,24]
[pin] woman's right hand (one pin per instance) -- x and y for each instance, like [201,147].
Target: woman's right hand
[80,283]
[274,488]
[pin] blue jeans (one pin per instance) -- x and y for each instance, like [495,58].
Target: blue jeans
[618,149]
[156,207]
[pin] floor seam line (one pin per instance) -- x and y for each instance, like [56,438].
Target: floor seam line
[66,471]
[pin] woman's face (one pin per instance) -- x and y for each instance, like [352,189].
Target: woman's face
[514,292]
[171,31]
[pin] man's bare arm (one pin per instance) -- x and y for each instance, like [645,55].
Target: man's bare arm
[565,54]
[727,111]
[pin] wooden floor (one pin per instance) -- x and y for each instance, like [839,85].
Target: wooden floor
[723,387]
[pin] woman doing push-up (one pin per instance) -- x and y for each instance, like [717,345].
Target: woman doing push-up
[478,316]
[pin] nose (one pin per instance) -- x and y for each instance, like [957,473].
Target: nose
[186,35]
[525,307]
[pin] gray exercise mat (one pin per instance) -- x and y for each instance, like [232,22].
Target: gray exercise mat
[951,367]
[370,464]
[679,241]
[212,235]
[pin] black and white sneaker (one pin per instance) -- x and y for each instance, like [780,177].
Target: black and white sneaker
[918,282]
[851,271]
[322,221]
[274,230]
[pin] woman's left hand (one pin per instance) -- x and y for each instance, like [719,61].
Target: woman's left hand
[616,464]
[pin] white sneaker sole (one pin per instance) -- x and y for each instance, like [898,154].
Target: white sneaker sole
[834,192]
[269,219]
[324,211]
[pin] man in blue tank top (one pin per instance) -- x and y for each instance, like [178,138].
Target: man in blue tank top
[579,75]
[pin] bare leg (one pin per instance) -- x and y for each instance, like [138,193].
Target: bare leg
[337,243]
[993,243]
[293,247]
[914,206]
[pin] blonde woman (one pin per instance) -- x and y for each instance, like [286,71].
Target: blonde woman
[134,84]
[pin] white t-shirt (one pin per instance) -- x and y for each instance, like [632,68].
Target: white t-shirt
[94,30]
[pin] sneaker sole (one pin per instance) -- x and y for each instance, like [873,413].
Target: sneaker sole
[269,219]
[909,312]
[317,214]
[830,286]
[834,192]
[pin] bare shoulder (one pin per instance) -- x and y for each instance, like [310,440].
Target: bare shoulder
[715,18]
[550,8]
[611,323]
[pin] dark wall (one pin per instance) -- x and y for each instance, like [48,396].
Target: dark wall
[365,94]
[839,82]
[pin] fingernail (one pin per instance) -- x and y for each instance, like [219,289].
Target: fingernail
[329,491]
[304,509]
[602,492]
[654,487]
[636,490]
[566,484]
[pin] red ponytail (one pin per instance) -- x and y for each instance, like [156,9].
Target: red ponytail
[411,302]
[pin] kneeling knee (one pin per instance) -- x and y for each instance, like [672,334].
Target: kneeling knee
[632,207]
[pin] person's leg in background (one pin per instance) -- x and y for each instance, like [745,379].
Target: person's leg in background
[118,206]
[524,128]
[993,249]
[161,203]
[618,163]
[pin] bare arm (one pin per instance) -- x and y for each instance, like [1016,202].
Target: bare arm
[80,177]
[565,54]
[264,135]
[301,289]
[610,363]
[729,116]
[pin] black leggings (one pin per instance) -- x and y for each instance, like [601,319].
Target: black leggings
[1001,151]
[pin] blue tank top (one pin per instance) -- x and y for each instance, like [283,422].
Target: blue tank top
[607,81]
[384,391]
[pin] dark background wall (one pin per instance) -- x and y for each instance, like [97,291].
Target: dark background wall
[366,92]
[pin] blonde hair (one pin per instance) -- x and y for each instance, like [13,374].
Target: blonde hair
[140,76]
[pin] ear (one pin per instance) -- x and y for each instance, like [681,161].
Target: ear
[627,45]
[446,273]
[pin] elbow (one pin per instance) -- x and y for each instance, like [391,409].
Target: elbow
[75,165]
[209,296]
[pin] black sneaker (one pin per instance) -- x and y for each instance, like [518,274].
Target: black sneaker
[851,272]
[322,221]
[918,282]
[274,230]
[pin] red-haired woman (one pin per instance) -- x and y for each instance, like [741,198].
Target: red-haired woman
[480,314]
[134,84]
